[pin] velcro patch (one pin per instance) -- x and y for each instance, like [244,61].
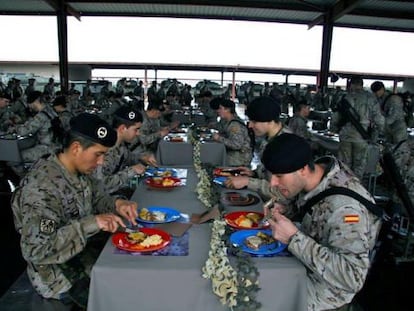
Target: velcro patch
[47,226]
[351,218]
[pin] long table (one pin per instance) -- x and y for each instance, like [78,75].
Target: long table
[181,153]
[124,282]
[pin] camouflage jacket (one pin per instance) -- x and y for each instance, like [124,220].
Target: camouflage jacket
[237,141]
[149,132]
[115,173]
[335,239]
[54,213]
[369,115]
[395,126]
[298,125]
[39,126]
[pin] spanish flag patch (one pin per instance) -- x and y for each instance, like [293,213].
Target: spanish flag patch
[351,218]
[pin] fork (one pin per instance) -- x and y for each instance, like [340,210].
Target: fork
[268,204]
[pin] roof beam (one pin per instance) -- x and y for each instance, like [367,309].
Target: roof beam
[338,10]
[56,5]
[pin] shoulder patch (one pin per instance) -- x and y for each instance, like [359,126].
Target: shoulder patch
[354,218]
[47,226]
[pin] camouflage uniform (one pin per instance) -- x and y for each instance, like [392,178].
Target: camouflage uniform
[40,127]
[260,183]
[115,173]
[298,125]
[108,113]
[335,252]
[54,213]
[19,109]
[5,119]
[65,116]
[237,141]
[352,147]
[149,133]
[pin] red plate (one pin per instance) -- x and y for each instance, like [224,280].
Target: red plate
[158,182]
[119,241]
[230,219]
[226,171]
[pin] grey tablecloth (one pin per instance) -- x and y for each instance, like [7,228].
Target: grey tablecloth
[174,283]
[181,153]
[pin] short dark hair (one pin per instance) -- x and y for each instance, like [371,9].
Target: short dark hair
[376,86]
[71,137]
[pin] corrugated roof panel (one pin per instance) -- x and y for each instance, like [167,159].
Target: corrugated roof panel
[30,6]
[380,22]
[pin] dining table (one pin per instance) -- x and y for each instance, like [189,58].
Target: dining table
[144,281]
[176,149]
[11,146]
[327,140]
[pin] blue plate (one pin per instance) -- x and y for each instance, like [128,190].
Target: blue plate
[160,171]
[238,239]
[219,180]
[170,215]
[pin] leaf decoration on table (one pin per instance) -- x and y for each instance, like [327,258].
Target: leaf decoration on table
[236,287]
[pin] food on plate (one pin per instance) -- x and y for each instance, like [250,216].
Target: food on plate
[136,237]
[253,242]
[164,173]
[152,240]
[145,214]
[164,181]
[256,241]
[248,220]
[142,240]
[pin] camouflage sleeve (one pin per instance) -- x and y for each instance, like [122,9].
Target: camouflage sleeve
[47,237]
[342,258]
[101,200]
[146,136]
[32,126]
[395,112]
[113,182]
[264,189]
[376,116]
[236,137]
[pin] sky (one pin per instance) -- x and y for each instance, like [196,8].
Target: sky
[209,42]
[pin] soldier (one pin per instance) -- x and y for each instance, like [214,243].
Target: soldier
[120,164]
[152,92]
[235,135]
[5,114]
[204,104]
[352,146]
[39,126]
[264,119]
[298,123]
[139,91]
[49,89]
[151,131]
[338,232]
[60,106]
[30,87]
[58,209]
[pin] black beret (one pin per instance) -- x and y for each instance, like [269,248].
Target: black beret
[128,114]
[93,128]
[215,103]
[59,101]
[33,96]
[5,95]
[376,86]
[263,109]
[227,103]
[286,153]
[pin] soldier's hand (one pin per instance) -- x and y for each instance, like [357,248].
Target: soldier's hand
[164,131]
[236,182]
[139,169]
[109,222]
[127,209]
[282,228]
[149,159]
[245,171]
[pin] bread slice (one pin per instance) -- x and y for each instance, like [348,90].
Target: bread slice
[253,242]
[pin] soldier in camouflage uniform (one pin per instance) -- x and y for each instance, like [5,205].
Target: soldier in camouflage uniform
[39,126]
[235,135]
[60,106]
[298,123]
[263,115]
[337,234]
[120,164]
[58,210]
[151,131]
[5,113]
[352,147]
[204,104]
